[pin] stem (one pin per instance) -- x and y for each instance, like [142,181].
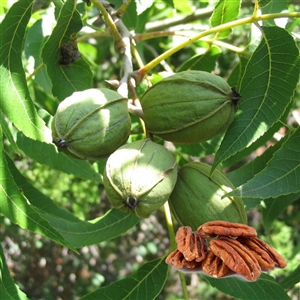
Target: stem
[174,246]
[183,286]
[139,37]
[170,225]
[107,17]
[142,71]
[120,12]
[92,35]
[127,59]
[34,72]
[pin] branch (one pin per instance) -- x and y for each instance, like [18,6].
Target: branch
[139,75]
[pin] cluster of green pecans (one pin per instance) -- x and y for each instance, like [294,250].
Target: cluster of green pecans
[187,107]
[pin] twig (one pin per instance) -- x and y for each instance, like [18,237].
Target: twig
[201,13]
[127,59]
[104,8]
[139,75]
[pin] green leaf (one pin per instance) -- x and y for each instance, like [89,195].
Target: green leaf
[36,198]
[281,175]
[203,62]
[14,95]
[271,208]
[16,207]
[267,88]
[130,16]
[291,280]
[146,283]
[271,8]
[237,73]
[47,154]
[78,233]
[263,3]
[265,288]
[260,142]
[33,44]
[249,170]
[183,6]
[76,76]
[6,131]
[84,233]
[224,12]
[8,289]
[3,7]
[201,149]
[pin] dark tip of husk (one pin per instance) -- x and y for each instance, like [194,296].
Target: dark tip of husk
[132,202]
[235,97]
[60,143]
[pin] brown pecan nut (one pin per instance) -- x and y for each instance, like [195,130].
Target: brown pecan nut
[237,257]
[267,257]
[177,260]
[223,228]
[214,266]
[191,244]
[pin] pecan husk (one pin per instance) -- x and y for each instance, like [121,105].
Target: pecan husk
[191,244]
[237,257]
[223,228]
[266,256]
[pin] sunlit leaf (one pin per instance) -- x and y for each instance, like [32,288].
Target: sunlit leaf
[260,142]
[15,206]
[265,288]
[225,11]
[14,95]
[267,88]
[84,233]
[146,283]
[8,289]
[263,3]
[249,170]
[281,175]
[292,279]
[237,73]
[203,62]
[271,208]
[77,232]
[75,76]
[130,16]
[274,7]
[47,154]
[201,149]
[33,44]
[7,133]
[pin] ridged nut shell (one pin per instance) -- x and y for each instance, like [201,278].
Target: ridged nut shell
[197,197]
[139,177]
[91,124]
[189,107]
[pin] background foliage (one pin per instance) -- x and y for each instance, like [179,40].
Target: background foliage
[60,238]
